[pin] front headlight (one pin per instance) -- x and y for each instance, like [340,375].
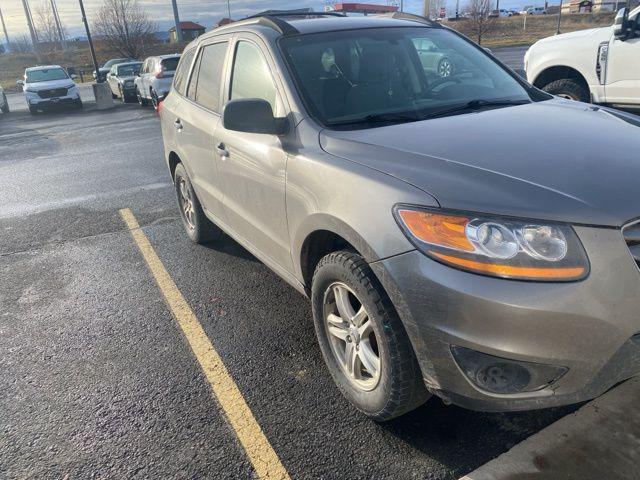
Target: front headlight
[495,246]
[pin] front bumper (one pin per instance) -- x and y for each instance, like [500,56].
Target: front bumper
[588,327]
[33,100]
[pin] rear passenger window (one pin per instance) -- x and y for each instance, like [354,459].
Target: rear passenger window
[251,75]
[210,76]
[180,79]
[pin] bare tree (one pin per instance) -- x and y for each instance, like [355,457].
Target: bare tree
[47,27]
[21,44]
[479,13]
[124,27]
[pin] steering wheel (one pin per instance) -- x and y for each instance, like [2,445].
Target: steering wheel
[441,81]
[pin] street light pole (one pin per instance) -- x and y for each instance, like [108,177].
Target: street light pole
[229,8]
[93,52]
[176,19]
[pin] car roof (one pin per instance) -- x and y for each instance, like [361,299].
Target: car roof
[322,23]
[41,67]
[126,64]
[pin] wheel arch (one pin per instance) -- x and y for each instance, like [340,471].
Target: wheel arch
[173,160]
[558,72]
[325,234]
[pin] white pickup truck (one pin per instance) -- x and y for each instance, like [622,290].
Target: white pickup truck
[600,65]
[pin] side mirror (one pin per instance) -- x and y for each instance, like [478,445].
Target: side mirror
[621,27]
[73,76]
[252,115]
[20,82]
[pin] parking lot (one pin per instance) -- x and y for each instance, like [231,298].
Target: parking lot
[99,376]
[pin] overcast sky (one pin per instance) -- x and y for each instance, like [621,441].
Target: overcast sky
[206,12]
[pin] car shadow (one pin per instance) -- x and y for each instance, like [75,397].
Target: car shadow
[223,243]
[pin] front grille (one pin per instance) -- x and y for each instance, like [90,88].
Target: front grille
[53,92]
[632,236]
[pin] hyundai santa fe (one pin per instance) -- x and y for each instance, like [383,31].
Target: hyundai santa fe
[441,254]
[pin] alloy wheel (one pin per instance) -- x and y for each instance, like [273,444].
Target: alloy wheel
[353,340]
[186,203]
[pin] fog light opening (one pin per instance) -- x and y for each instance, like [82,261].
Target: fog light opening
[503,376]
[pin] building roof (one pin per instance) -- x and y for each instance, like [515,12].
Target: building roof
[188,26]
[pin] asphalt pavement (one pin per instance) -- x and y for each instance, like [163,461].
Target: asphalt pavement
[98,380]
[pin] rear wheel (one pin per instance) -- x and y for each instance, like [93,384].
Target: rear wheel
[198,227]
[362,339]
[568,88]
[155,101]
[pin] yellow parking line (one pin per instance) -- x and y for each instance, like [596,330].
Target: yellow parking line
[260,452]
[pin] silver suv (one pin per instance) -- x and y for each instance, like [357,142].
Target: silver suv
[441,253]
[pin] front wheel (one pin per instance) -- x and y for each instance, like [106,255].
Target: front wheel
[5,104]
[362,339]
[141,100]
[196,224]
[568,88]
[155,101]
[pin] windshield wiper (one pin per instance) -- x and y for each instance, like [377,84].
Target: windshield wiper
[381,118]
[474,105]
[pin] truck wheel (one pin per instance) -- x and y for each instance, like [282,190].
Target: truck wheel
[198,227]
[568,88]
[362,339]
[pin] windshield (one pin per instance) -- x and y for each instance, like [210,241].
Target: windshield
[170,64]
[353,75]
[48,75]
[129,70]
[115,61]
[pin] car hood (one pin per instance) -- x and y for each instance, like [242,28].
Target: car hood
[555,160]
[601,33]
[66,82]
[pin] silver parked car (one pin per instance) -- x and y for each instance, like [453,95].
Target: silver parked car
[121,79]
[155,79]
[440,253]
[49,86]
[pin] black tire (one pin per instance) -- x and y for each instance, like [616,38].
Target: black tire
[143,102]
[113,95]
[79,105]
[201,230]
[33,111]
[568,88]
[400,387]
[5,104]
[155,101]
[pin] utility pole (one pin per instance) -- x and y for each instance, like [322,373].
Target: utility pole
[6,35]
[56,17]
[229,9]
[426,8]
[32,30]
[559,18]
[176,18]
[93,52]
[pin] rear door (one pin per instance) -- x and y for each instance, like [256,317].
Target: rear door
[253,166]
[198,116]
[623,69]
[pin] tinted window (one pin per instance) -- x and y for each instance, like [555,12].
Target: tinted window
[170,64]
[180,79]
[128,70]
[210,75]
[251,75]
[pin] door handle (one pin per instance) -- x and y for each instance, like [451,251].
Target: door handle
[178,124]
[222,151]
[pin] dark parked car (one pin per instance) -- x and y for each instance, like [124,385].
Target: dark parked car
[101,75]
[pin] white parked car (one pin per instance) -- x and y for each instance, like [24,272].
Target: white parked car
[4,103]
[155,79]
[534,11]
[49,86]
[600,65]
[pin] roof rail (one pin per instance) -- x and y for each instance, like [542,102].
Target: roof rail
[410,17]
[296,13]
[276,23]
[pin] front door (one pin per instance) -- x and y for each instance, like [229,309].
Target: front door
[253,166]
[623,69]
